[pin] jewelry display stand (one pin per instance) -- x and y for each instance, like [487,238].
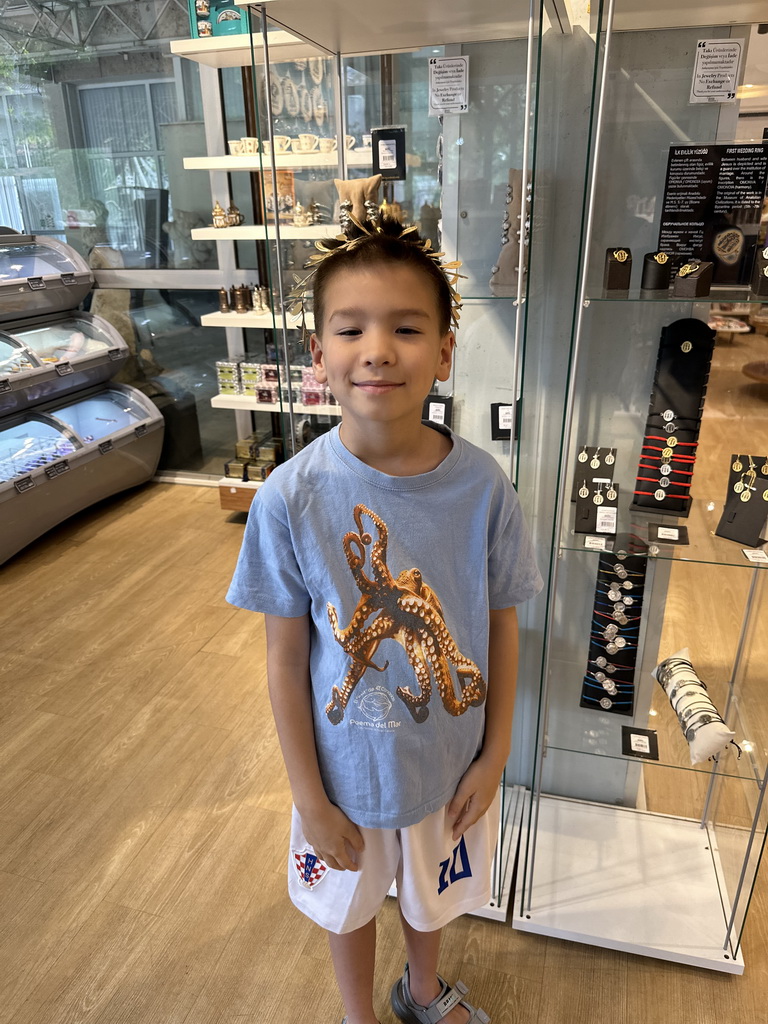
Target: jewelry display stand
[627,844]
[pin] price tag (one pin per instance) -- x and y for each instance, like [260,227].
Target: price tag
[596,543]
[506,417]
[756,555]
[607,517]
[668,533]
[436,412]
[640,744]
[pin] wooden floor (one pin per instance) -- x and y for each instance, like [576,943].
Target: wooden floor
[144,813]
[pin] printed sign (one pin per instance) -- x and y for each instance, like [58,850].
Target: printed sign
[716,71]
[448,85]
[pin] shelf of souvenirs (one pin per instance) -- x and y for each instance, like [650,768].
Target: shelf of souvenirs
[251,404]
[296,161]
[254,318]
[691,539]
[264,232]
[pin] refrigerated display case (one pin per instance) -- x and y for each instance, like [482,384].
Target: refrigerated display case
[68,437]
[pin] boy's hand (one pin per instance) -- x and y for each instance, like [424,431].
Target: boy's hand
[334,838]
[474,795]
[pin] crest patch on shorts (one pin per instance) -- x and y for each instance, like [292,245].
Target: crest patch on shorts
[311,870]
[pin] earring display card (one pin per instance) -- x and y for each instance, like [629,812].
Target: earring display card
[609,681]
[592,464]
[665,470]
[597,510]
[388,152]
[745,515]
[438,409]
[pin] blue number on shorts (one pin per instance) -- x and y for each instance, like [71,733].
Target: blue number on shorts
[459,866]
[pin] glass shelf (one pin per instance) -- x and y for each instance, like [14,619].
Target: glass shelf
[729,765]
[720,295]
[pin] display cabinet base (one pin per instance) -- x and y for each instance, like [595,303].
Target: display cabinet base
[236,496]
[663,901]
[503,869]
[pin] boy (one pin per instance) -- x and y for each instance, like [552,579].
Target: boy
[375,554]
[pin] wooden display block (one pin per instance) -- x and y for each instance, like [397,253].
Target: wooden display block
[236,496]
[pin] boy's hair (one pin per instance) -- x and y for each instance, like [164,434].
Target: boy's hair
[368,243]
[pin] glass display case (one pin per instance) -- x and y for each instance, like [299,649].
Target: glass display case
[40,272]
[640,836]
[340,117]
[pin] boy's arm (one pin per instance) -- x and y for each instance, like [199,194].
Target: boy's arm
[334,838]
[478,786]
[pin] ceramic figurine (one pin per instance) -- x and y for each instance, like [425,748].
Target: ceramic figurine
[219,214]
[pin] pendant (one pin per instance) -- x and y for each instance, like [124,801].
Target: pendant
[746,495]
[583,454]
[290,97]
[627,585]
[666,469]
[606,702]
[628,601]
[669,428]
[660,495]
[664,482]
[584,490]
[316,69]
[276,95]
[610,687]
[613,595]
[671,442]
[620,642]
[610,458]
[600,677]
[668,415]
[764,468]
[765,495]
[595,463]
[610,668]
[598,499]
[611,495]
[667,453]
[601,661]
[738,487]
[619,606]
[737,466]
[611,648]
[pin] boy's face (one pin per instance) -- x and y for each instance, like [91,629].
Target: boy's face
[381,347]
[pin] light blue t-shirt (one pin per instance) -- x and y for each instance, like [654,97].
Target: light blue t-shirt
[398,574]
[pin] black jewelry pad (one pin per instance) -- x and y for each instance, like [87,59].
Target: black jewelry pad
[680,384]
[759,282]
[594,693]
[601,520]
[656,275]
[696,284]
[585,473]
[618,269]
[744,521]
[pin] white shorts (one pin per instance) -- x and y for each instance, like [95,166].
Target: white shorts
[437,878]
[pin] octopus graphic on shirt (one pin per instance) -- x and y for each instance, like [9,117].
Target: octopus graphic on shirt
[408,611]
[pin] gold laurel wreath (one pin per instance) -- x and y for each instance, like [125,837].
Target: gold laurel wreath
[328,247]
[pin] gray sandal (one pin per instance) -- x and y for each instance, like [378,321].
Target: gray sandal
[412,1013]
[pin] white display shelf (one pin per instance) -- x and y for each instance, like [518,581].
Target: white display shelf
[262,232]
[235,51]
[239,485]
[264,320]
[249,403]
[663,902]
[296,161]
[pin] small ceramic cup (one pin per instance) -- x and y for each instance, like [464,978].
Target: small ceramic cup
[328,145]
[296,146]
[366,141]
[282,143]
[235,147]
[308,142]
[266,147]
[349,141]
[250,144]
